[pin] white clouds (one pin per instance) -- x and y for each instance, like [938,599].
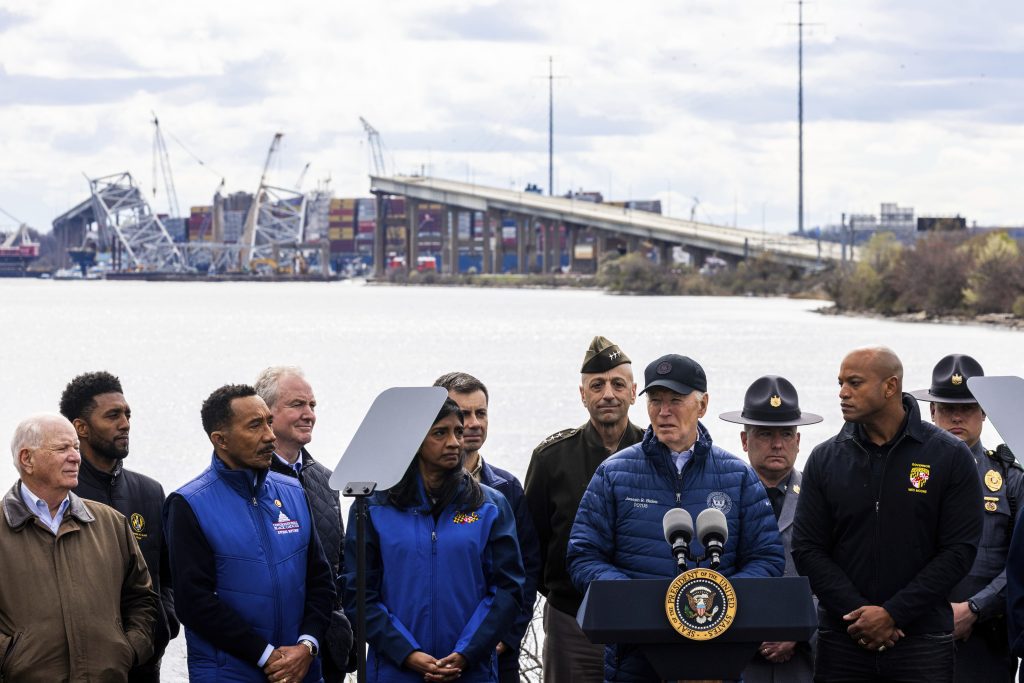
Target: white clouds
[915,103]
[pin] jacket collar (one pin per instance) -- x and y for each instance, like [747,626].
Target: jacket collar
[245,482]
[701,447]
[789,502]
[593,439]
[87,470]
[17,514]
[488,475]
[912,425]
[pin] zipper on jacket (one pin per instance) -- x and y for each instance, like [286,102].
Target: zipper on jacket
[876,563]
[271,561]
[435,608]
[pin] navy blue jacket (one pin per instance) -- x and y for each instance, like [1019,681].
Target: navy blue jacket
[444,586]
[618,530]
[507,485]
[250,567]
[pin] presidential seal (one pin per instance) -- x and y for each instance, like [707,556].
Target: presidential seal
[700,604]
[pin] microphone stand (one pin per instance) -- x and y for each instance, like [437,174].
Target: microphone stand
[361,491]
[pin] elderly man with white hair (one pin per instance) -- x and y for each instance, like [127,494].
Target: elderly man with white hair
[77,602]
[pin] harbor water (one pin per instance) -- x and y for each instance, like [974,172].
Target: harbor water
[173,343]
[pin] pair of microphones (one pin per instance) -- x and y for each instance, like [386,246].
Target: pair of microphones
[712,531]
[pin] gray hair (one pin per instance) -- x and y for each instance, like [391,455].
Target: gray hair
[267,381]
[31,432]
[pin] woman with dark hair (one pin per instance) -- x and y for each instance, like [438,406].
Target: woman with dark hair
[444,578]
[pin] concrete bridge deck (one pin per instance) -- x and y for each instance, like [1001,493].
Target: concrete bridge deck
[694,236]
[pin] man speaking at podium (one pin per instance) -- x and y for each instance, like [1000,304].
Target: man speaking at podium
[618,532]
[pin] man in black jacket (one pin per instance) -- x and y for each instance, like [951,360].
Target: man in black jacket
[293,406]
[95,404]
[888,521]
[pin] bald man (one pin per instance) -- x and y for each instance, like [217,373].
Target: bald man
[888,522]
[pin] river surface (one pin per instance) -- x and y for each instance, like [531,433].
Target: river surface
[173,343]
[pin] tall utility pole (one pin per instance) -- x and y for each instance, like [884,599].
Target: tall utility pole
[800,111]
[551,127]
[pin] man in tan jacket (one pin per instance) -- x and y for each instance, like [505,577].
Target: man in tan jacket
[77,601]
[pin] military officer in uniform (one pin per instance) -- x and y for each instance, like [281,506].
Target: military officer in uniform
[770,417]
[979,600]
[560,469]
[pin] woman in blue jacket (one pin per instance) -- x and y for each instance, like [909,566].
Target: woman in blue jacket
[444,578]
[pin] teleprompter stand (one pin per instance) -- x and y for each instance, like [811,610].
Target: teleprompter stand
[380,452]
[632,612]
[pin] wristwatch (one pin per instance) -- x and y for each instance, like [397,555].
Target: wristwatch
[311,646]
[973,606]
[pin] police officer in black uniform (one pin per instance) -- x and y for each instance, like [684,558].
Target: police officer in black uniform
[560,469]
[979,600]
[95,404]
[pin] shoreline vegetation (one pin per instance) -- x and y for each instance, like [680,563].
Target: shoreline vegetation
[944,277]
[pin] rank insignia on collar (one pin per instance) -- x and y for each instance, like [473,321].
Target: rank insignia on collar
[957,379]
[776,401]
[993,480]
[796,488]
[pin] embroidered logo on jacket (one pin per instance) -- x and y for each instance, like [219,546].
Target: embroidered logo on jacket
[465,518]
[919,477]
[138,523]
[720,500]
[284,525]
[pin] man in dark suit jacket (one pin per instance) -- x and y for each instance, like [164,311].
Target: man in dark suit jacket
[770,417]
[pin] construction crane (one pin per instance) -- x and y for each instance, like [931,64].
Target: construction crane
[376,149]
[161,158]
[302,176]
[254,208]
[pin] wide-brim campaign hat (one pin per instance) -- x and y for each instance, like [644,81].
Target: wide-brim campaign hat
[771,401]
[949,380]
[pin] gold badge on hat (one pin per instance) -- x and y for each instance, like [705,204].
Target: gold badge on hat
[775,400]
[993,480]
[957,379]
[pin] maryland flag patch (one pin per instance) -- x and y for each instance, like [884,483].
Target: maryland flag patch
[919,475]
[465,518]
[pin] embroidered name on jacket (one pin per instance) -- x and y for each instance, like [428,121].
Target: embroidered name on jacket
[465,518]
[284,525]
[919,477]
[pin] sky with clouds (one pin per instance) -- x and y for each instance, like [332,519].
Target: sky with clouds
[917,102]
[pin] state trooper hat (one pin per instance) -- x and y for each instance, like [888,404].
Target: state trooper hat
[949,380]
[771,401]
[602,356]
[681,374]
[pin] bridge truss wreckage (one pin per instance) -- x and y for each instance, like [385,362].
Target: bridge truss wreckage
[127,226]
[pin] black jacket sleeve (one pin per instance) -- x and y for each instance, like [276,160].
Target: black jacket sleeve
[812,543]
[319,590]
[960,523]
[194,574]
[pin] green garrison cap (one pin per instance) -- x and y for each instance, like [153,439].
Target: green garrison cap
[602,356]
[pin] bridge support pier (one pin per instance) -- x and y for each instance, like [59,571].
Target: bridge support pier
[521,245]
[452,219]
[379,237]
[664,254]
[486,263]
[412,235]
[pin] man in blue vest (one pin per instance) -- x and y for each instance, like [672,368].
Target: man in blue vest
[256,590]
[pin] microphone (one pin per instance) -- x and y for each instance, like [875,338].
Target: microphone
[678,527]
[713,532]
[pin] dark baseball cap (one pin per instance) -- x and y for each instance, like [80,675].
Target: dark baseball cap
[681,374]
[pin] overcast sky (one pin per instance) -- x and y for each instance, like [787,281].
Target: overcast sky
[916,102]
